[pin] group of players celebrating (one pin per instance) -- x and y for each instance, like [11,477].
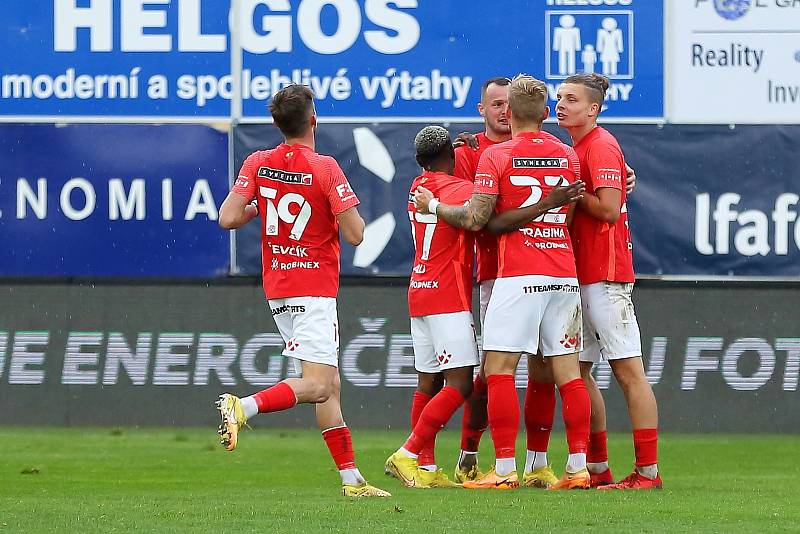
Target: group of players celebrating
[554,265]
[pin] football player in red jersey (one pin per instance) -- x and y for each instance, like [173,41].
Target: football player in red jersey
[535,305]
[540,397]
[304,200]
[440,306]
[540,394]
[604,258]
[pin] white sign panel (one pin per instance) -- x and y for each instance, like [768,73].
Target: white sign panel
[734,61]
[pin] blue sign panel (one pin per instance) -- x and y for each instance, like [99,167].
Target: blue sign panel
[706,204]
[112,200]
[363,58]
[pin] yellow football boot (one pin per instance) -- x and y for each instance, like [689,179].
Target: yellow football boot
[233,419]
[541,477]
[363,490]
[467,474]
[406,470]
[436,479]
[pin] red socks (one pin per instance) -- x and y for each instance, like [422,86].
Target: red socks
[418,403]
[598,448]
[279,397]
[645,446]
[434,416]
[503,410]
[576,409]
[473,423]
[340,444]
[540,402]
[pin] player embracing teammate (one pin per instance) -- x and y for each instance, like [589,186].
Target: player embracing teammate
[535,303]
[603,253]
[440,305]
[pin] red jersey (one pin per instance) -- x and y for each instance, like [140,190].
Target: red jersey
[441,281]
[485,242]
[603,251]
[521,172]
[300,193]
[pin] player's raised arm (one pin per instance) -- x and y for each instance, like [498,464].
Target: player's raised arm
[471,216]
[510,220]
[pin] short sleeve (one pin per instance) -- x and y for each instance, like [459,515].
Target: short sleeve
[340,194]
[487,175]
[606,166]
[245,183]
[574,162]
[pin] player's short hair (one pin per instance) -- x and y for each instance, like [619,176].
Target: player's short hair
[291,107]
[527,98]
[597,85]
[501,81]
[430,143]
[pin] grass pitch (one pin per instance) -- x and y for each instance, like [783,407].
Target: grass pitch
[129,480]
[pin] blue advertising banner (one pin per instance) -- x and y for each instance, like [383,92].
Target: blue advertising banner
[112,200]
[377,59]
[706,204]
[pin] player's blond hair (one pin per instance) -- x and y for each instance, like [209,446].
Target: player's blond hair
[527,98]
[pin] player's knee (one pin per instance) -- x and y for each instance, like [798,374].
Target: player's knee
[462,386]
[321,391]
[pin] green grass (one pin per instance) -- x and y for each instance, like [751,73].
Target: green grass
[131,480]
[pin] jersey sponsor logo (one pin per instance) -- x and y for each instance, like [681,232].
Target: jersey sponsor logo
[288,266]
[551,288]
[419,269]
[424,284]
[293,250]
[345,192]
[242,181]
[540,163]
[296,178]
[549,245]
[546,233]
[609,175]
[288,309]
[484,180]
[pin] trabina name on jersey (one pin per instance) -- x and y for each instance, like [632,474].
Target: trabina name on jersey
[78,199]
[546,233]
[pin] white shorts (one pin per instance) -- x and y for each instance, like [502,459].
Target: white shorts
[610,330]
[310,328]
[444,341]
[534,314]
[485,292]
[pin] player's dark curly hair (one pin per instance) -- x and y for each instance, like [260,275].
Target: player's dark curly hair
[430,144]
[596,83]
[291,107]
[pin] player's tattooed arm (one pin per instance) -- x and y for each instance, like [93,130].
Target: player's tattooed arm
[471,216]
[511,220]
